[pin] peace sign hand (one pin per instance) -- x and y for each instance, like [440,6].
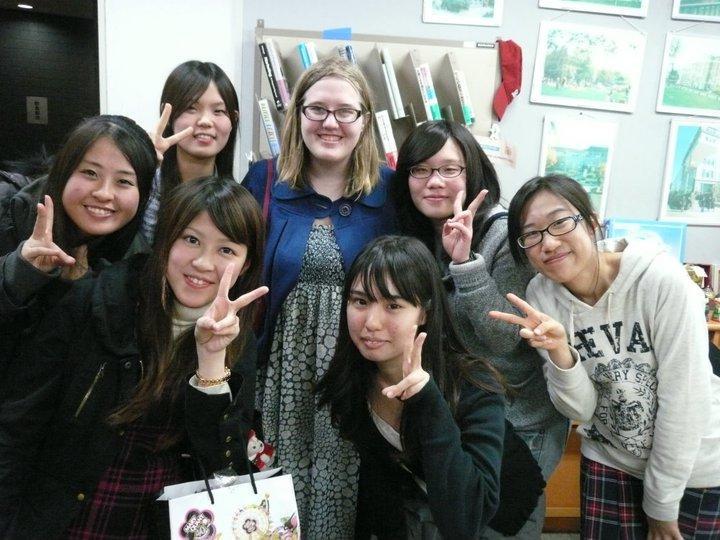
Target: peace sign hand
[219,325]
[414,376]
[540,330]
[457,232]
[40,250]
[163,143]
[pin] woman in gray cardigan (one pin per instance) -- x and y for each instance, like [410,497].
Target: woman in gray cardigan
[447,195]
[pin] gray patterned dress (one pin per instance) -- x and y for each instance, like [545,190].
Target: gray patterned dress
[324,467]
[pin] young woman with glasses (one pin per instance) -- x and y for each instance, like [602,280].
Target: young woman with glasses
[195,136]
[327,199]
[623,332]
[447,195]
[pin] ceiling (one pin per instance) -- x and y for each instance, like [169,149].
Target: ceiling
[85,9]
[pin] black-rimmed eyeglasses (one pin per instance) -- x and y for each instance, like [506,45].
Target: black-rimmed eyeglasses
[556,228]
[423,172]
[344,115]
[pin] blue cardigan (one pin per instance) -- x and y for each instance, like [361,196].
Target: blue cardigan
[290,218]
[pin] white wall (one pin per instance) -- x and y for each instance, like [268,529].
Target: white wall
[141,41]
[637,170]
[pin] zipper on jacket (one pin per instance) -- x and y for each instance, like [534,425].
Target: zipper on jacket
[98,376]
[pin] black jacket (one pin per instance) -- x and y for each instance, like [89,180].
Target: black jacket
[84,363]
[24,290]
[458,458]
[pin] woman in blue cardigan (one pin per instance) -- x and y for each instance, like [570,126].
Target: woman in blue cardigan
[327,198]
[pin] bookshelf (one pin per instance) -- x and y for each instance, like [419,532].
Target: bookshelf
[476,60]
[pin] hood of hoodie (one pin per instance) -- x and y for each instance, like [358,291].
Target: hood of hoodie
[637,255]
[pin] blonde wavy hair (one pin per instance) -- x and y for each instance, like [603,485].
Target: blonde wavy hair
[294,156]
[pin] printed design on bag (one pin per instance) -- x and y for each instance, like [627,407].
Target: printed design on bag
[252,522]
[198,525]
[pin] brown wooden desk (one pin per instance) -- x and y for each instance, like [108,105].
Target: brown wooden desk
[563,490]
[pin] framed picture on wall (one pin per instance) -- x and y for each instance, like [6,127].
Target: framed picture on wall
[696,10]
[581,148]
[587,66]
[691,186]
[670,234]
[690,75]
[632,8]
[469,12]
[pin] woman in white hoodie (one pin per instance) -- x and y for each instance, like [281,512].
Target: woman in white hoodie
[623,332]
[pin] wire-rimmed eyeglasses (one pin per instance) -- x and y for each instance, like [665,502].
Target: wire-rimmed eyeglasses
[423,172]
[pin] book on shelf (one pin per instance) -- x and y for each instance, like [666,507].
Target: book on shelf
[312,52]
[342,52]
[270,73]
[387,138]
[308,53]
[304,56]
[393,107]
[350,54]
[279,73]
[462,90]
[427,89]
[394,89]
[269,125]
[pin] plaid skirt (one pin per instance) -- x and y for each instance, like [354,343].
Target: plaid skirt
[611,506]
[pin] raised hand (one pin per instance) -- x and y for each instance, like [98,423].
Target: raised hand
[414,376]
[457,232]
[219,325]
[40,250]
[540,330]
[163,143]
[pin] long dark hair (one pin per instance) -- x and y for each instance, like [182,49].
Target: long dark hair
[562,186]
[425,141]
[183,87]
[168,363]
[135,144]
[410,267]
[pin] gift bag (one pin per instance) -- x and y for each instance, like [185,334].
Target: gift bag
[234,511]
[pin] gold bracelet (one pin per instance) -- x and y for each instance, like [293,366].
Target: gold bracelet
[204,383]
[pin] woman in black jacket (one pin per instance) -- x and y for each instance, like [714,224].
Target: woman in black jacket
[133,369]
[87,209]
[427,419]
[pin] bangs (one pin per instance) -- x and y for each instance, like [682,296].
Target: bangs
[380,275]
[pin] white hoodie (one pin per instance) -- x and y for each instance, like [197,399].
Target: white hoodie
[643,390]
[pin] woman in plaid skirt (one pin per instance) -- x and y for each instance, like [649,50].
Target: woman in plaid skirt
[623,332]
[133,371]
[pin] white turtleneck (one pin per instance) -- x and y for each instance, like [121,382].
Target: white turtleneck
[184,318]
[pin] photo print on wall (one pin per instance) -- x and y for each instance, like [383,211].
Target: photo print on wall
[691,187]
[630,8]
[690,76]
[469,12]
[582,148]
[587,66]
[697,10]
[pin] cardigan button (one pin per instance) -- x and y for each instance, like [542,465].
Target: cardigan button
[127,365]
[80,497]
[345,209]
[228,453]
[228,438]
